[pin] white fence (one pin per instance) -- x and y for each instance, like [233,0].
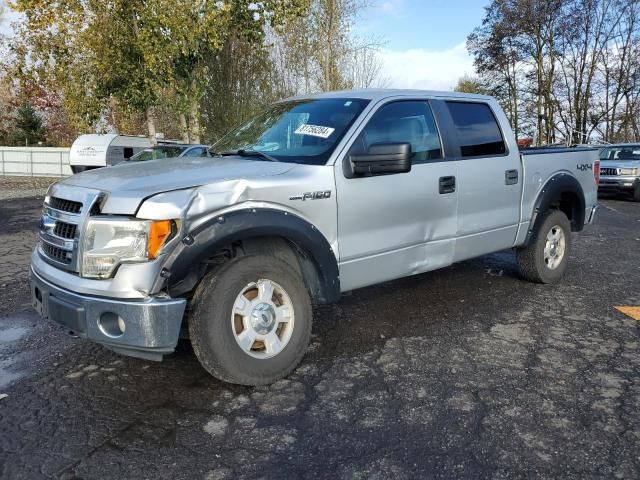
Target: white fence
[35,161]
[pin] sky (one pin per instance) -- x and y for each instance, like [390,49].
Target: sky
[423,40]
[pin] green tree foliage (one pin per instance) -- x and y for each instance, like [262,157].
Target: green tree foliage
[140,53]
[240,84]
[6,120]
[319,48]
[246,73]
[28,126]
[290,58]
[177,40]
[469,84]
[183,67]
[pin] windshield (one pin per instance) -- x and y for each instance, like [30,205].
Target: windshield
[297,131]
[154,153]
[630,152]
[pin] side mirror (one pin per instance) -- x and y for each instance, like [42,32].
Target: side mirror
[381,159]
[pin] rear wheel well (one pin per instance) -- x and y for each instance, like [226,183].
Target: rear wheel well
[569,203]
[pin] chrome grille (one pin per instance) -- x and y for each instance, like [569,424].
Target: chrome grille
[608,171]
[65,230]
[65,211]
[63,205]
[56,253]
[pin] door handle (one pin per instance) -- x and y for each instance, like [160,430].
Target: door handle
[511,177]
[447,184]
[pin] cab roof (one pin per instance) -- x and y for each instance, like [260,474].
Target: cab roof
[382,93]
[621,145]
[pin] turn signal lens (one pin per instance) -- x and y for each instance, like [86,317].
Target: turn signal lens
[158,233]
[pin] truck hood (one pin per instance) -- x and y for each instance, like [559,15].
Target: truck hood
[130,183]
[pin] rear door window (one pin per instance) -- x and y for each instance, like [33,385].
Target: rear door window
[477,129]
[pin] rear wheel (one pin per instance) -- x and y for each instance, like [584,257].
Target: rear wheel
[251,321]
[545,259]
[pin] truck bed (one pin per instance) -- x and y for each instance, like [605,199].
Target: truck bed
[541,165]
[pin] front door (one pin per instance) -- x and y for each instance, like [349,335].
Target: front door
[395,225]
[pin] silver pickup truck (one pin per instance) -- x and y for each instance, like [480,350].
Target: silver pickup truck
[314,196]
[620,170]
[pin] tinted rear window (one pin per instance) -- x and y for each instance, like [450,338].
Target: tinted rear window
[477,129]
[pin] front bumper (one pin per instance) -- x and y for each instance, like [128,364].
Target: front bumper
[618,184]
[146,328]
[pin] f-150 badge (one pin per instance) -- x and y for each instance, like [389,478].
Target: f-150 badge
[312,196]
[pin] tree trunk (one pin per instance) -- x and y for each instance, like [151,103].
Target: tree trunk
[114,118]
[184,128]
[194,123]
[516,113]
[539,120]
[151,126]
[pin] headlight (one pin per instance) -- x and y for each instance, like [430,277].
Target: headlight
[109,242]
[628,171]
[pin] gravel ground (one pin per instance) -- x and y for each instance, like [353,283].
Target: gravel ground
[24,187]
[467,372]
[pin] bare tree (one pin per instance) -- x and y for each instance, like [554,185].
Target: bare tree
[496,47]
[586,31]
[320,52]
[618,76]
[364,66]
[563,68]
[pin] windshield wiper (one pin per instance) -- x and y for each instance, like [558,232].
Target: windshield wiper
[247,153]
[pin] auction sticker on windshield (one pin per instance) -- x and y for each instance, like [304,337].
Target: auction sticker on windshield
[314,130]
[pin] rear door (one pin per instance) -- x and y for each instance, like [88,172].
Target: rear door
[395,225]
[489,177]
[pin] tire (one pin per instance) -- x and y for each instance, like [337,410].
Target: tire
[636,192]
[531,259]
[216,327]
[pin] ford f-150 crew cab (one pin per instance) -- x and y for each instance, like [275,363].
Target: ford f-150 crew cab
[314,196]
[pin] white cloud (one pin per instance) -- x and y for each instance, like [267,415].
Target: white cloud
[426,69]
[393,7]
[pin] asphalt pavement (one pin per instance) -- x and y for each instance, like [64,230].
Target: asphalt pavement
[466,372]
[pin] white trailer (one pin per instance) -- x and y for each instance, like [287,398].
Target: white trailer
[101,150]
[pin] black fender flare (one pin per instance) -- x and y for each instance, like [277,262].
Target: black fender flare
[226,228]
[559,184]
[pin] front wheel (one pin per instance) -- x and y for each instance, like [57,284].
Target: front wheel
[251,321]
[636,192]
[545,259]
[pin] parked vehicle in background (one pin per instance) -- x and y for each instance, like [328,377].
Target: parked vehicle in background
[620,170]
[104,150]
[170,151]
[100,150]
[315,196]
